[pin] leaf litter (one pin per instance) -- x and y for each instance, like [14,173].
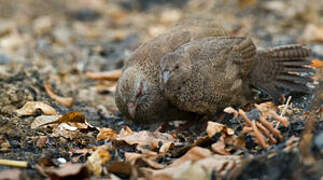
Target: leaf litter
[82,135]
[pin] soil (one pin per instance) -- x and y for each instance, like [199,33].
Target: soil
[60,41]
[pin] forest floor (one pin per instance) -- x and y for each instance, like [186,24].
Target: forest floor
[58,119]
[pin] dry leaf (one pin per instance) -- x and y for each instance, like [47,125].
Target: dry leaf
[313,33]
[125,131]
[67,171]
[96,160]
[63,130]
[166,147]
[316,63]
[194,154]
[144,162]
[222,164]
[72,117]
[143,159]
[147,138]
[123,168]
[10,174]
[41,141]
[219,147]
[106,134]
[75,119]
[230,110]
[213,128]
[66,101]
[4,144]
[32,106]
[185,170]
[43,120]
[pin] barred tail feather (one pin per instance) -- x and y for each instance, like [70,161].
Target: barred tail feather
[282,67]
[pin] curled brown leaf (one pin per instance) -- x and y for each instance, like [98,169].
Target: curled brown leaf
[32,106]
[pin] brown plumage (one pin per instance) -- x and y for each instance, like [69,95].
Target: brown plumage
[196,69]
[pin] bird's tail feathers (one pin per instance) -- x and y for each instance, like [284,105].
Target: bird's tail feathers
[282,67]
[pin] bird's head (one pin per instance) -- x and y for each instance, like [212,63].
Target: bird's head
[138,96]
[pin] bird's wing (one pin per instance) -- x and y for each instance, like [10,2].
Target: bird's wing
[205,75]
[186,30]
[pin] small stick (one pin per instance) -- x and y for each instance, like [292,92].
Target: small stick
[259,137]
[246,130]
[66,101]
[113,75]
[286,106]
[266,132]
[283,120]
[245,117]
[7,162]
[268,125]
[284,110]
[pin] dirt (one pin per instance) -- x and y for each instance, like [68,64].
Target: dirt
[59,41]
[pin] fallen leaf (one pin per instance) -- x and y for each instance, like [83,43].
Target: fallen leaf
[4,144]
[313,33]
[106,134]
[125,131]
[230,110]
[143,160]
[316,63]
[194,154]
[219,147]
[222,164]
[185,170]
[213,128]
[41,141]
[120,168]
[66,171]
[43,120]
[32,106]
[147,139]
[166,147]
[65,130]
[10,174]
[96,160]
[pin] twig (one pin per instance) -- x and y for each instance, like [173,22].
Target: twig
[259,137]
[66,101]
[270,127]
[7,162]
[283,120]
[266,132]
[245,117]
[113,75]
[284,110]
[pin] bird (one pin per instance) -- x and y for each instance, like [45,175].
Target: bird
[197,69]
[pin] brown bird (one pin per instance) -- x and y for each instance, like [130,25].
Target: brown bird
[197,69]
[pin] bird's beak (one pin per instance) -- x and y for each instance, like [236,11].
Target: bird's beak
[132,109]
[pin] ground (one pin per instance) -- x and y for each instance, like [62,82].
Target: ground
[48,50]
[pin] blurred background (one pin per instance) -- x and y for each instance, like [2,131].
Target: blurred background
[62,40]
[57,42]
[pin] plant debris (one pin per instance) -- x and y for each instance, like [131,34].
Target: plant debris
[59,66]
